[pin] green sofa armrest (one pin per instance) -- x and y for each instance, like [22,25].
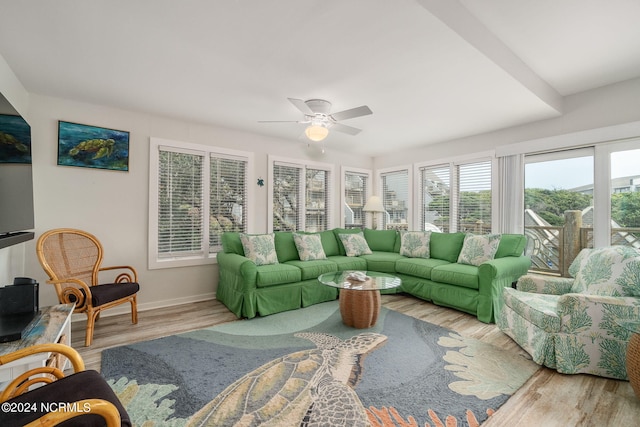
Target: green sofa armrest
[510,268]
[240,269]
[494,275]
[540,284]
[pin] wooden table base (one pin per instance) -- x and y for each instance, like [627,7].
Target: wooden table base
[359,309]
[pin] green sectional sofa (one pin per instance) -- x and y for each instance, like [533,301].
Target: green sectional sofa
[248,289]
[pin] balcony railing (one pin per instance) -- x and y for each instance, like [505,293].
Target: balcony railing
[546,245]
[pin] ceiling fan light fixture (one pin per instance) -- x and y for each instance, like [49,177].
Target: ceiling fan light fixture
[316,133]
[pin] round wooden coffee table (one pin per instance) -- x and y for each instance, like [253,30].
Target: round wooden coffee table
[633,353]
[360,300]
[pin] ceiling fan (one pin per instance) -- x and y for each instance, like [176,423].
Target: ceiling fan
[317,114]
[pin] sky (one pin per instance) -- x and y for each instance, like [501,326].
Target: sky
[575,172]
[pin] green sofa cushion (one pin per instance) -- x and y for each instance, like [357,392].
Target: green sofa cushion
[446,246]
[383,262]
[456,274]
[511,245]
[313,269]
[337,232]
[329,243]
[381,240]
[277,274]
[231,243]
[344,262]
[285,246]
[418,267]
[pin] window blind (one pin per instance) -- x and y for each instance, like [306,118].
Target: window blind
[355,197]
[287,193]
[395,199]
[474,197]
[180,204]
[228,201]
[317,202]
[435,185]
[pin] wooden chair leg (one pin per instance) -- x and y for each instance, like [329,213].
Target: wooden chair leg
[91,319]
[134,310]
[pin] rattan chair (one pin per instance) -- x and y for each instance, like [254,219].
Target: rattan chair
[72,260]
[82,398]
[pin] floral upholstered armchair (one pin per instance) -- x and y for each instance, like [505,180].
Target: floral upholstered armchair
[571,324]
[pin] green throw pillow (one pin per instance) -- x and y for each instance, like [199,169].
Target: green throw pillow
[355,244]
[415,244]
[259,248]
[477,249]
[309,246]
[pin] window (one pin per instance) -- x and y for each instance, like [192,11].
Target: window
[196,193]
[395,199]
[456,197]
[301,196]
[625,197]
[356,193]
[287,188]
[435,182]
[474,197]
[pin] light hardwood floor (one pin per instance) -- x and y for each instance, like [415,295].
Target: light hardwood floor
[547,399]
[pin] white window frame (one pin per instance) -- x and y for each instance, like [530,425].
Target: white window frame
[602,188]
[303,165]
[369,174]
[205,257]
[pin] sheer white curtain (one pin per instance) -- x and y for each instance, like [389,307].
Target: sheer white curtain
[511,194]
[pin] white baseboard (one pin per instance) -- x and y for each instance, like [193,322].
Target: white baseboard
[126,308]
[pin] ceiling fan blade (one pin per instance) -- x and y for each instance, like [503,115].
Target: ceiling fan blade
[300,105]
[345,129]
[352,113]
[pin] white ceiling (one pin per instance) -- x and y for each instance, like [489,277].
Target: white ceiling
[431,70]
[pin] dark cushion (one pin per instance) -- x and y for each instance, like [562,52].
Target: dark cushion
[102,294]
[79,386]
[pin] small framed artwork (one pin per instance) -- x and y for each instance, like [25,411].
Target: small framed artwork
[15,140]
[92,147]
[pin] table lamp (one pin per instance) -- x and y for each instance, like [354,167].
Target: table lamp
[374,205]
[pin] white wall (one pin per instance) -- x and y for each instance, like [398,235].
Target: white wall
[599,108]
[114,205]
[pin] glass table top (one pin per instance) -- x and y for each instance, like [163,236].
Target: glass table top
[360,280]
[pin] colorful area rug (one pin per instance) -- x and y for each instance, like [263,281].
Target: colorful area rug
[305,368]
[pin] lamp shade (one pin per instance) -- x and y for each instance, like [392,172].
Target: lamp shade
[374,204]
[316,133]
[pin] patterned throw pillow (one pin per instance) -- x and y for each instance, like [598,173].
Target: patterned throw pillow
[355,244]
[309,246]
[610,271]
[415,244]
[477,249]
[259,248]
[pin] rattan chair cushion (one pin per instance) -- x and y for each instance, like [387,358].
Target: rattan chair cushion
[82,385]
[102,294]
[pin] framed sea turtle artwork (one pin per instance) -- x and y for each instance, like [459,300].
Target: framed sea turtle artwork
[15,140]
[92,147]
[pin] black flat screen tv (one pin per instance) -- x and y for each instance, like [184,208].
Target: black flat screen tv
[16,179]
